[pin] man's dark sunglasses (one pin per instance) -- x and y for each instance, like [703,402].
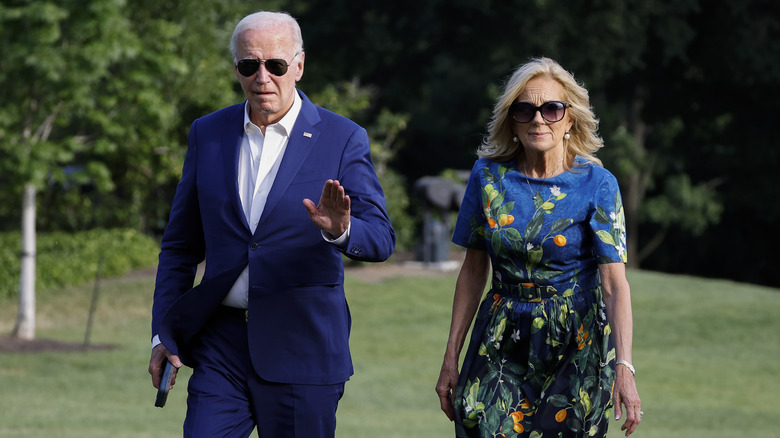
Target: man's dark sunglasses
[524,112]
[249,66]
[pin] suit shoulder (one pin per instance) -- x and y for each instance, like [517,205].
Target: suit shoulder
[330,117]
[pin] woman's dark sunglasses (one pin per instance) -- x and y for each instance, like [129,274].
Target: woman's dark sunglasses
[277,67]
[524,112]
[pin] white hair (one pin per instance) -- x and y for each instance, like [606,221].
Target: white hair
[264,20]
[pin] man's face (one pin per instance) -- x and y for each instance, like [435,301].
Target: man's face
[269,96]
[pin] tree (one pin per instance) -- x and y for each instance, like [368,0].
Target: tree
[633,53]
[53,54]
[175,67]
[99,127]
[91,102]
[728,99]
[446,73]
[354,101]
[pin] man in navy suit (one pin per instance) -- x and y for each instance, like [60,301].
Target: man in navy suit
[266,331]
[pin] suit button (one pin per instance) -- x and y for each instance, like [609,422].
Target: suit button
[253,246]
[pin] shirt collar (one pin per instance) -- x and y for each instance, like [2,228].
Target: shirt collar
[287,122]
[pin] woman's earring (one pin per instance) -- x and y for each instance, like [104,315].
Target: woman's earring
[567,136]
[514,139]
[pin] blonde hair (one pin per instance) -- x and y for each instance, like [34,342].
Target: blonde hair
[498,144]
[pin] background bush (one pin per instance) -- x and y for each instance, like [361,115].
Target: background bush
[73,258]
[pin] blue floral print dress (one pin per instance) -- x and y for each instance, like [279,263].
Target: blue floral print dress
[540,363]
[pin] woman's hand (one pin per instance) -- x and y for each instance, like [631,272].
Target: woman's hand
[626,395]
[448,381]
[468,291]
[617,298]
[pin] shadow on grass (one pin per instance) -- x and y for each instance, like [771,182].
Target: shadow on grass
[10,344]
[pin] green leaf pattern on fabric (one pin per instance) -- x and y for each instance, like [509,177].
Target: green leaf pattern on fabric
[544,367]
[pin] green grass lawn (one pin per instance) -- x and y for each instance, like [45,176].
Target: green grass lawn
[707,354]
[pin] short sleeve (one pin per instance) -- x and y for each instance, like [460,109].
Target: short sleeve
[608,222]
[470,227]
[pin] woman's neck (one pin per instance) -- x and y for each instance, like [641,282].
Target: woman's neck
[542,165]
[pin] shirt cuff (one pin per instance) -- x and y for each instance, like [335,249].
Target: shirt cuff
[340,241]
[156,341]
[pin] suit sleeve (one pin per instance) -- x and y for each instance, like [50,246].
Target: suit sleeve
[183,246]
[372,237]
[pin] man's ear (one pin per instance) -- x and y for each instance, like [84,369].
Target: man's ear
[301,59]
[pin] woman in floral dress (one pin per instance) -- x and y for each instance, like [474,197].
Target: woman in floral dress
[550,351]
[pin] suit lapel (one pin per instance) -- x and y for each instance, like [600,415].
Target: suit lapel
[231,145]
[302,140]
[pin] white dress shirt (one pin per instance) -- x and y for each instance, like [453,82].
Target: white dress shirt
[258,163]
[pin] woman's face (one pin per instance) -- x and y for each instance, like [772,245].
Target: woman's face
[540,135]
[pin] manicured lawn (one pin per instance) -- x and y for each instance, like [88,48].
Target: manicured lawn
[707,354]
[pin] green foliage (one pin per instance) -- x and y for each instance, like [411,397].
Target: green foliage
[397,200]
[385,134]
[690,207]
[54,55]
[65,259]
[352,100]
[349,99]
[95,101]
[96,98]
[659,73]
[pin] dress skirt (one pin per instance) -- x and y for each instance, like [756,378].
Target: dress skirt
[538,365]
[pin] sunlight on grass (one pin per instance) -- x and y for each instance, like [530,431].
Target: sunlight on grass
[706,353]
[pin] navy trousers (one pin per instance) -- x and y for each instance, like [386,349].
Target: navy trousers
[226,397]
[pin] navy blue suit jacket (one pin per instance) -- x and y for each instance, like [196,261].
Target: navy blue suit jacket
[299,320]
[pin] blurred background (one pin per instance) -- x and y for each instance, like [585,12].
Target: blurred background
[97,96]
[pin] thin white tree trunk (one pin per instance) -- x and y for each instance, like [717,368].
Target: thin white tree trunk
[25,323]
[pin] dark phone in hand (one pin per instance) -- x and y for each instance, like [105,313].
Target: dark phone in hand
[165,384]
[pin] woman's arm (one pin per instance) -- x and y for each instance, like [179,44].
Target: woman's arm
[468,292]
[617,297]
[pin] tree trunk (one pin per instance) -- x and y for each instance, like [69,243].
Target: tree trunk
[631,201]
[637,182]
[25,322]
